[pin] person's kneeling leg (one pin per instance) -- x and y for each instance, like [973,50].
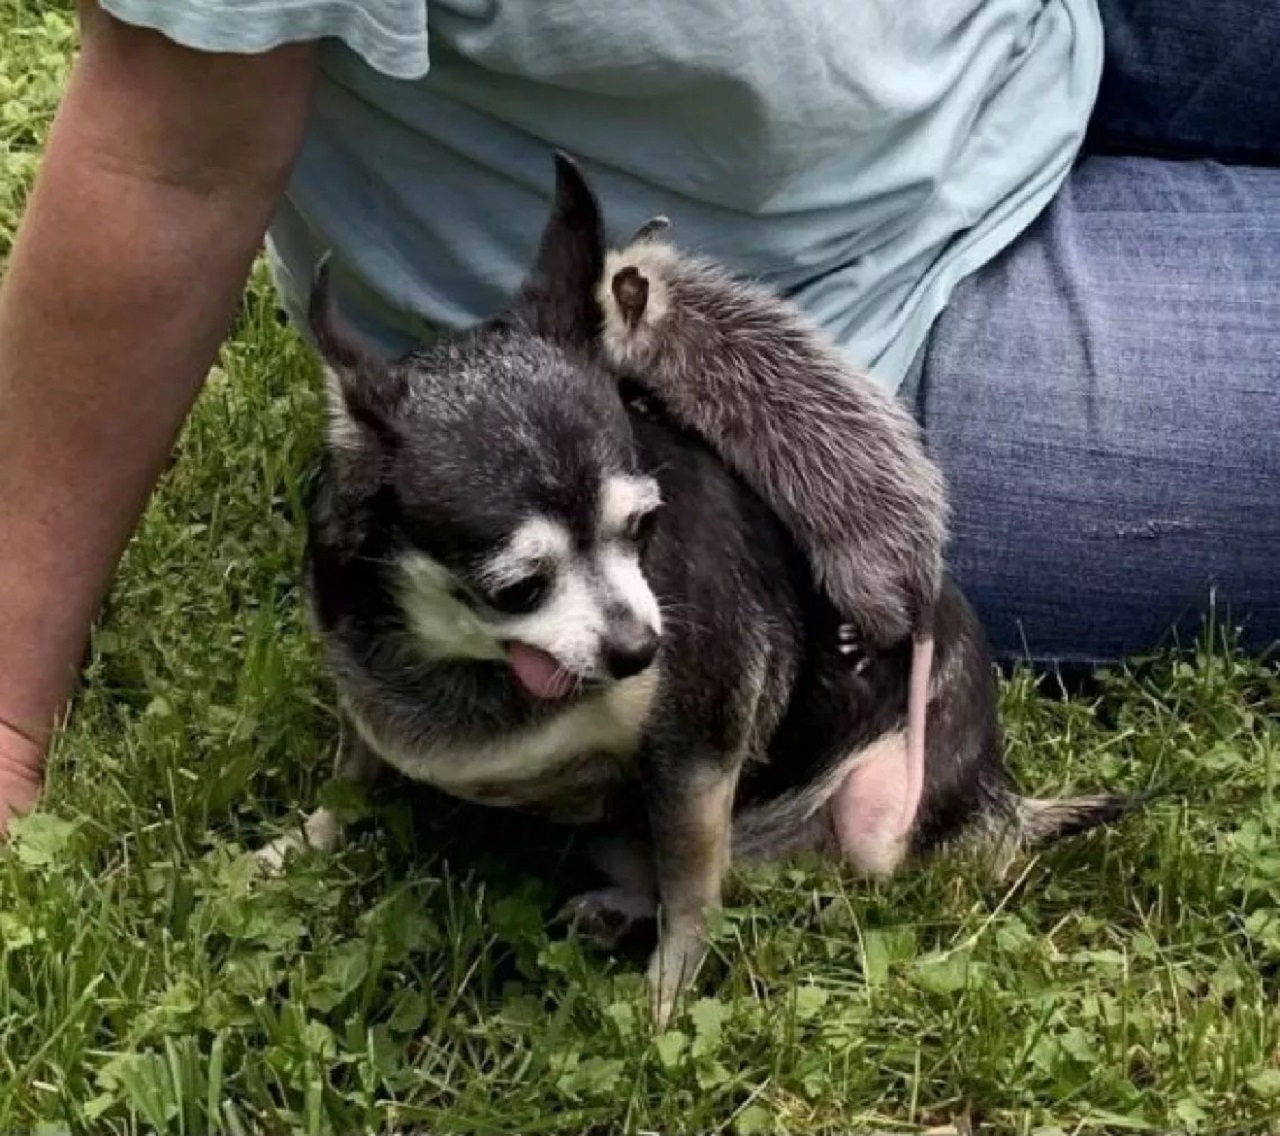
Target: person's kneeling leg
[1104,400]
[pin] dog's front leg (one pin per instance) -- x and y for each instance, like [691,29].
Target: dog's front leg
[690,811]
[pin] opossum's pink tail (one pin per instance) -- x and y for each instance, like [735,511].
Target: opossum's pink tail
[917,713]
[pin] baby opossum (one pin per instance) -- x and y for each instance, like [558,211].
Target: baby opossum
[839,460]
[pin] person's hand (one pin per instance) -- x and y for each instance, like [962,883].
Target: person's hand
[21,774]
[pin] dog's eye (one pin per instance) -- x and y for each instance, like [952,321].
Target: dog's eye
[520,597]
[640,526]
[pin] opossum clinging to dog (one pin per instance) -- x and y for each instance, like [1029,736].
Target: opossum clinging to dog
[533,596]
[839,460]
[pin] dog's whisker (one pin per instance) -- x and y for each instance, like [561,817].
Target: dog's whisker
[378,561]
[680,616]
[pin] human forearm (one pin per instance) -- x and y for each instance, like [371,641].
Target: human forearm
[159,178]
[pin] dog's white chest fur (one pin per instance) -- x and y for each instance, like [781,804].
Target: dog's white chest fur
[572,757]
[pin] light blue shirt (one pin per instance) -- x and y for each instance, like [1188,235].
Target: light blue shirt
[860,157]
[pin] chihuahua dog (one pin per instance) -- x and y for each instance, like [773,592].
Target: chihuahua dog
[533,595]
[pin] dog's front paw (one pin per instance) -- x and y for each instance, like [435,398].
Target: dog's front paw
[271,857]
[671,969]
[607,917]
[319,833]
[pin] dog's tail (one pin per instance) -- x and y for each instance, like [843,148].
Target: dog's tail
[1043,820]
[1024,824]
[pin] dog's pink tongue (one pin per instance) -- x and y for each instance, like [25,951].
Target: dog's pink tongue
[538,672]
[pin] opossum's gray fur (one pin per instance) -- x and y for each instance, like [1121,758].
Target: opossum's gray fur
[838,458]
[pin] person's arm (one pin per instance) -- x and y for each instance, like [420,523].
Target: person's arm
[161,172]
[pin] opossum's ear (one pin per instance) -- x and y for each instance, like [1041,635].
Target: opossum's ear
[558,299]
[630,289]
[651,230]
[364,390]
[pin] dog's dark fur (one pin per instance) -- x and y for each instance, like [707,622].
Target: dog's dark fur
[733,740]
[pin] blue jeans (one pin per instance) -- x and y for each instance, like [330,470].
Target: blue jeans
[1104,399]
[1105,396]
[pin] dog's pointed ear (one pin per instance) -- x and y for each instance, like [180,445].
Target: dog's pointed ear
[364,390]
[558,298]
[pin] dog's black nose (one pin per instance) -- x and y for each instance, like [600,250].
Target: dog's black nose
[630,649]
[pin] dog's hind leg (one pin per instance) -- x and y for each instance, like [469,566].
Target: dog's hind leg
[874,809]
[356,763]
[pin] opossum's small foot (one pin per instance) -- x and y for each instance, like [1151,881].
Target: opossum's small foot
[637,400]
[851,647]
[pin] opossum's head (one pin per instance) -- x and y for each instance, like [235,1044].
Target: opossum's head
[495,474]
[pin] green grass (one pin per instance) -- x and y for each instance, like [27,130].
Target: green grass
[149,981]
